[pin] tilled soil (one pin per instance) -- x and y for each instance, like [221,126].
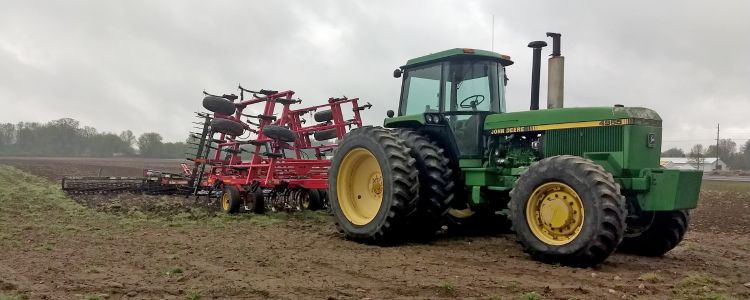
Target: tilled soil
[132,246]
[55,168]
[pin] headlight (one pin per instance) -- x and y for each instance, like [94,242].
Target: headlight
[432,119]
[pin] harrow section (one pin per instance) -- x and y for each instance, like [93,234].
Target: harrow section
[152,183]
[287,164]
[252,153]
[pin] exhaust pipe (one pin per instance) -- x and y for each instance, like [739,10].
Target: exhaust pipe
[535,69]
[555,74]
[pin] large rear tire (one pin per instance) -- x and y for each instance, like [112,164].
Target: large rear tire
[568,210]
[373,185]
[664,233]
[436,187]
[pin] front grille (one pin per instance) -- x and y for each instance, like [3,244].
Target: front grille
[576,141]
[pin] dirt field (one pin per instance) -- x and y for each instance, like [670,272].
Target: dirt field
[139,247]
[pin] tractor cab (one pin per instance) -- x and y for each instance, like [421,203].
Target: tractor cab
[457,88]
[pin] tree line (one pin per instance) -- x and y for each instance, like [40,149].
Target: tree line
[736,158]
[66,137]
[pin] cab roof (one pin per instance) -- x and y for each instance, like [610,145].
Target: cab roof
[459,53]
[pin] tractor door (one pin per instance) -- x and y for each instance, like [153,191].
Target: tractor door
[472,91]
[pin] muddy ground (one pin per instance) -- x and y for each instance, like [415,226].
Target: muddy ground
[156,247]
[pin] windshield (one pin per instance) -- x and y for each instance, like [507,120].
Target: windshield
[474,86]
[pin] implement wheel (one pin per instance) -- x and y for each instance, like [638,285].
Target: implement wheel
[279,133]
[325,135]
[311,199]
[666,230]
[567,209]
[373,185]
[218,105]
[436,187]
[255,201]
[226,126]
[230,200]
[323,116]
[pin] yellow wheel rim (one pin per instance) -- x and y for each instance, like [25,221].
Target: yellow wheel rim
[461,213]
[555,213]
[225,201]
[305,199]
[359,186]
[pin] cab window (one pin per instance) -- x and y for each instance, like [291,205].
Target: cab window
[469,86]
[421,91]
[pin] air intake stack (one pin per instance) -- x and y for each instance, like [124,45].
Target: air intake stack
[555,74]
[535,70]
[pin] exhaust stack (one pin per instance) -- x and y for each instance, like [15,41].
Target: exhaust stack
[535,70]
[555,74]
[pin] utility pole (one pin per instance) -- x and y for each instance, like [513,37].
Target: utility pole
[716,167]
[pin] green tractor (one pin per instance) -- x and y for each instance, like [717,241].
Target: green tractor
[575,183]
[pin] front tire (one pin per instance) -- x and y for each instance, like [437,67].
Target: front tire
[567,209]
[663,234]
[373,186]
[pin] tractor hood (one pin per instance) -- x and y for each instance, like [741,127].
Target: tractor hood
[576,117]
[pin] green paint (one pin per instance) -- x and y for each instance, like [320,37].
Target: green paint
[476,196]
[567,115]
[458,54]
[577,141]
[409,121]
[481,176]
[469,163]
[670,189]
[638,155]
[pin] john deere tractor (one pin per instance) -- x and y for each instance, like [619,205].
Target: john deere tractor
[575,183]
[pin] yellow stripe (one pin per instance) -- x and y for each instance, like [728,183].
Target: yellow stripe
[612,122]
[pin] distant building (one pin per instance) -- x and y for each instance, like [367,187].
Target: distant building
[705,164]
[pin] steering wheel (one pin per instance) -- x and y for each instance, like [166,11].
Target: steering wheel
[472,104]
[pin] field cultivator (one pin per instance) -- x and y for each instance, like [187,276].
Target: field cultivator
[288,156]
[249,155]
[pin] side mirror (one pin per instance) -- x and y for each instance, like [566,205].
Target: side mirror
[389,113]
[397,73]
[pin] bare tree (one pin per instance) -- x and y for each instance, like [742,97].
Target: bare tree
[696,157]
[673,152]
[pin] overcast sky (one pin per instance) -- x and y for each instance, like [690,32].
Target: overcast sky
[142,65]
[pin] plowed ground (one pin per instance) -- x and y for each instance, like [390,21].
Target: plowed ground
[140,247]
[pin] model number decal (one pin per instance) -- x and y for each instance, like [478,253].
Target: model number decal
[611,122]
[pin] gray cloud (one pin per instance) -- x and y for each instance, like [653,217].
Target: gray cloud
[141,65]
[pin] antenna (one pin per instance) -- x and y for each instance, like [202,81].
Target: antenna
[493,33]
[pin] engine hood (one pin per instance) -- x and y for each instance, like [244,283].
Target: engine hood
[574,117]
